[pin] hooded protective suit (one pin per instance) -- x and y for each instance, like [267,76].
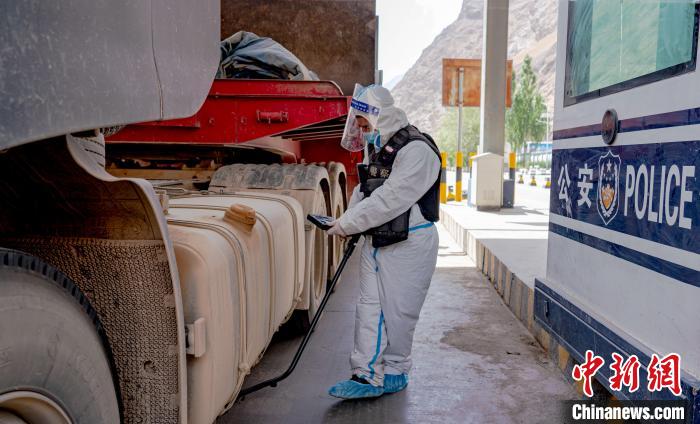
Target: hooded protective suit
[394,279]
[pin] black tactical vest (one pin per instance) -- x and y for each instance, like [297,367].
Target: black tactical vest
[380,164]
[378,170]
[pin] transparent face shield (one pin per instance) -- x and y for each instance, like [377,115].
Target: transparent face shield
[365,106]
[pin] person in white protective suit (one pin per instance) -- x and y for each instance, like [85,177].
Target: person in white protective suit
[394,280]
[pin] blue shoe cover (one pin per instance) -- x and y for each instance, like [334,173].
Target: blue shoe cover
[395,382]
[352,389]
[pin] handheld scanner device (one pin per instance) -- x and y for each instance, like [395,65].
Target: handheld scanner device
[321,221]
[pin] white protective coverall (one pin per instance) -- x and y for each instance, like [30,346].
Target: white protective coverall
[394,280]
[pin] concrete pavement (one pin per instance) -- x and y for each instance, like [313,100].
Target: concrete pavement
[517,236]
[510,248]
[474,362]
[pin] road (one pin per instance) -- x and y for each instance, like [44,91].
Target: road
[474,362]
[534,197]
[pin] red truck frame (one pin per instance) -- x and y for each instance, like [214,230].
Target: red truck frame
[302,121]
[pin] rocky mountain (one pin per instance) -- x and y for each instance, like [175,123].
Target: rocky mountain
[531,31]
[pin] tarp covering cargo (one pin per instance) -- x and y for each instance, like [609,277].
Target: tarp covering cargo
[247,56]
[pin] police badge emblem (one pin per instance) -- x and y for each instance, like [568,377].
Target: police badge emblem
[608,186]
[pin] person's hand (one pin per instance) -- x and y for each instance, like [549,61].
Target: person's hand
[336,229]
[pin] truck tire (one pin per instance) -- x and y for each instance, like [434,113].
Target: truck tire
[55,365]
[316,267]
[336,245]
[317,248]
[338,204]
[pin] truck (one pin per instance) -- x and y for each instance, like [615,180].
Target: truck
[623,260]
[153,234]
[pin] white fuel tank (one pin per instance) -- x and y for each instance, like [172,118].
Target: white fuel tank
[241,265]
[225,280]
[283,218]
[212,281]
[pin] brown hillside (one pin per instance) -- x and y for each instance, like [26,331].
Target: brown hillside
[532,31]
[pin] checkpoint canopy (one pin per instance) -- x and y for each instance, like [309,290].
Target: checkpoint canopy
[471,83]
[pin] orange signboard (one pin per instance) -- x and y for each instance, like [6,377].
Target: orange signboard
[472,82]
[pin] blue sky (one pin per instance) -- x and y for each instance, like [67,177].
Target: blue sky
[406,27]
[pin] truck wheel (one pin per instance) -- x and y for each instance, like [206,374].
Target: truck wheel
[54,362]
[319,262]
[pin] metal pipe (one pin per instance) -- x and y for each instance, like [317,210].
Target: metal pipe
[443,177]
[460,158]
